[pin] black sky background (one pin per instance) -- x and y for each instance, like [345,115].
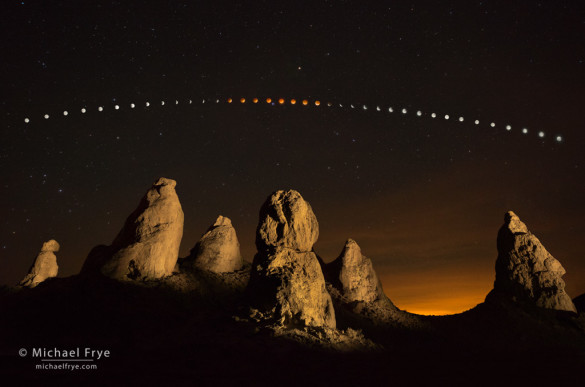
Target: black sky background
[423,197]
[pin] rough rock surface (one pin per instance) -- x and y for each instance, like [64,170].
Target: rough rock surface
[353,274]
[218,250]
[287,221]
[526,272]
[147,247]
[45,265]
[286,277]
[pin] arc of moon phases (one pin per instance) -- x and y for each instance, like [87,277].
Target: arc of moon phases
[305,102]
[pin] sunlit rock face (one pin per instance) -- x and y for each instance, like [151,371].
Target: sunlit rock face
[147,247]
[354,276]
[525,271]
[286,279]
[218,250]
[287,221]
[45,265]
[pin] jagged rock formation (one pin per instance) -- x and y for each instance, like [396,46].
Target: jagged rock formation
[353,275]
[45,265]
[218,250]
[526,272]
[147,247]
[286,278]
[357,293]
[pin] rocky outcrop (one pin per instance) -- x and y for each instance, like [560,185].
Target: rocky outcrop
[352,273]
[526,273]
[218,250]
[147,247]
[286,278]
[45,265]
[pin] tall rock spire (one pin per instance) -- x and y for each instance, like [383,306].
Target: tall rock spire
[353,274]
[286,277]
[526,272]
[44,267]
[147,247]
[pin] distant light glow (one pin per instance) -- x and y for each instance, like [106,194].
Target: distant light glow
[118,107]
[65,113]
[365,107]
[446,116]
[476,122]
[390,110]
[434,115]
[559,139]
[378,109]
[508,127]
[419,113]
[493,124]
[242,100]
[404,111]
[541,134]
[101,109]
[26,120]
[317,103]
[461,119]
[83,110]
[524,130]
[132,106]
[46,116]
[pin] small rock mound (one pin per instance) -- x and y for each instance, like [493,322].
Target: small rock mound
[45,265]
[218,250]
[526,272]
[353,274]
[286,278]
[147,247]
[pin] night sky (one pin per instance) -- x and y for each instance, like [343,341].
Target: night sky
[424,197]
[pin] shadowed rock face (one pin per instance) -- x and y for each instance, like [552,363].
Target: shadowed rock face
[44,266]
[218,250]
[286,276]
[147,247]
[353,274]
[525,271]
